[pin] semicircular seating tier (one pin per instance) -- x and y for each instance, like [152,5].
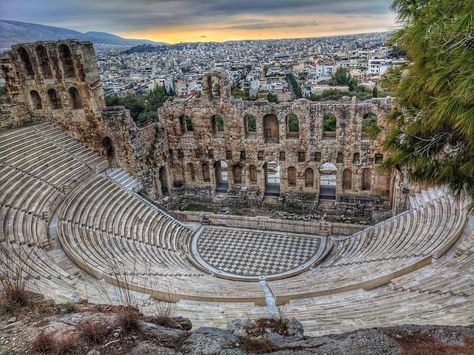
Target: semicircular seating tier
[119,237]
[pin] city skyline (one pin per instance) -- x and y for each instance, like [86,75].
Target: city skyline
[187,21]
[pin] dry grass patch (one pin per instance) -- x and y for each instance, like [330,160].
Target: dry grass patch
[47,344]
[94,332]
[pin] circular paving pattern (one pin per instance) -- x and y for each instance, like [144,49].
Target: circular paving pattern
[239,253]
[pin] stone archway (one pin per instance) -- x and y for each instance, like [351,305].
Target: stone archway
[222,177]
[327,181]
[108,148]
[272,178]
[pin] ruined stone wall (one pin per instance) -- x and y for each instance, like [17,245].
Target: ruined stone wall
[59,82]
[308,148]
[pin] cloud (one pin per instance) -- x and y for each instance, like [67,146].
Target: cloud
[125,16]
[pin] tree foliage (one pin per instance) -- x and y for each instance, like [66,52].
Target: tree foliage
[293,123]
[272,98]
[329,123]
[295,85]
[433,119]
[142,109]
[341,77]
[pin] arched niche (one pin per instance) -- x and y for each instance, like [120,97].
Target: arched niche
[271,129]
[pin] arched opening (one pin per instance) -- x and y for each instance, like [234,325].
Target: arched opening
[191,172]
[347,180]
[370,127]
[271,129]
[222,177]
[250,124]
[178,175]
[253,174]
[189,124]
[162,176]
[356,158]
[292,126]
[186,124]
[43,59]
[36,100]
[237,173]
[108,147]
[54,100]
[75,98]
[366,179]
[206,176]
[309,178]
[217,122]
[340,157]
[329,126]
[327,181]
[25,59]
[65,57]
[291,176]
[272,178]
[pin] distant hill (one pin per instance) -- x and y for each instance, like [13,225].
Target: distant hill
[145,48]
[12,32]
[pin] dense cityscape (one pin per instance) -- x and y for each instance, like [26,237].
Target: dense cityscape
[288,69]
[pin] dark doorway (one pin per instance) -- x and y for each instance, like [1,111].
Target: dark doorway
[163,180]
[108,148]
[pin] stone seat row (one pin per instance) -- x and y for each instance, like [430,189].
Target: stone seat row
[122,178]
[104,205]
[38,166]
[418,232]
[452,276]
[26,193]
[133,255]
[35,265]
[36,154]
[441,293]
[384,306]
[22,227]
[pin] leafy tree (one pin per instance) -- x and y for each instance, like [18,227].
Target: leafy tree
[293,123]
[341,77]
[251,123]
[433,119]
[219,123]
[334,95]
[329,123]
[294,84]
[370,127]
[142,109]
[156,98]
[272,98]
[375,92]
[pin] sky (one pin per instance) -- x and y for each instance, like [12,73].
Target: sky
[175,21]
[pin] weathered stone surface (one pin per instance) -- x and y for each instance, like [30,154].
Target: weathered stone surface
[207,340]
[148,348]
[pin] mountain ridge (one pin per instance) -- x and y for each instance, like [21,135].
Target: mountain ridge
[12,32]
